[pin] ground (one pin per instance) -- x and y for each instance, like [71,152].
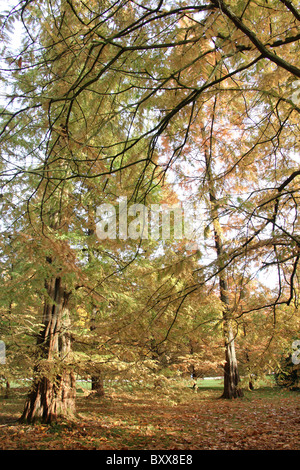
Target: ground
[170,418]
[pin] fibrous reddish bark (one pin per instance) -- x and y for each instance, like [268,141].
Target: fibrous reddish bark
[53,393]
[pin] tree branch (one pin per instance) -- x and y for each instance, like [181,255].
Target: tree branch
[254,39]
[291,7]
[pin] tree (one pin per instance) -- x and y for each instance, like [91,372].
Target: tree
[96,91]
[231,374]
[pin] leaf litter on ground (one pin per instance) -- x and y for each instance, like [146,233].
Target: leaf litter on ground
[150,420]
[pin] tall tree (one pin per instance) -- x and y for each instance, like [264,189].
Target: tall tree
[85,71]
[231,374]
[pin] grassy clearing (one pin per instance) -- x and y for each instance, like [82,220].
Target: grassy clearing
[174,417]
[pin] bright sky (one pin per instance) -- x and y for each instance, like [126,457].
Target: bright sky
[6,5]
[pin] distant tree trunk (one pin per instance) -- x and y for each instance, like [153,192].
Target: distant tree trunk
[7,389]
[98,385]
[194,373]
[53,394]
[250,385]
[97,379]
[251,379]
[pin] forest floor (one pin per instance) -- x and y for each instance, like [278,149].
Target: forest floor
[177,418]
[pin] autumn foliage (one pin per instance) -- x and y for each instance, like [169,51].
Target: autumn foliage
[162,103]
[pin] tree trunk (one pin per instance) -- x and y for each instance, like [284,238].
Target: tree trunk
[97,385]
[53,393]
[251,379]
[97,379]
[7,389]
[231,375]
[51,401]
